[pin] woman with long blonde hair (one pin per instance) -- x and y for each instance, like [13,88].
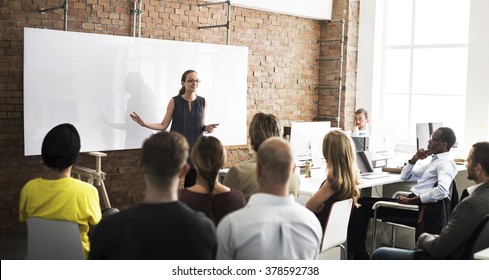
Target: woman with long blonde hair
[342,177]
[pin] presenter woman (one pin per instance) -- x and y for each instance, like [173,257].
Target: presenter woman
[186,112]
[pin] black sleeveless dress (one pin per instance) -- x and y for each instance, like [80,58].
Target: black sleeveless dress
[188,122]
[323,215]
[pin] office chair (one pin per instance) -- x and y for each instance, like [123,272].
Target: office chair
[477,241]
[336,230]
[432,217]
[53,240]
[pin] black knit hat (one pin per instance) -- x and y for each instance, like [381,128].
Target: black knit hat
[61,146]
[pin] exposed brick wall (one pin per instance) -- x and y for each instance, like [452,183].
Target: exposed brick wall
[329,70]
[282,77]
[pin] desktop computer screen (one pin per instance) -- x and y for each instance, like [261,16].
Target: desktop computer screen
[423,133]
[361,143]
[306,139]
[364,162]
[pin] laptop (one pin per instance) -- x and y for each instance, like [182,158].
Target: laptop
[364,164]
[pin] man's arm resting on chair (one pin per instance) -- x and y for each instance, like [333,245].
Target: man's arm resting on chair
[410,200]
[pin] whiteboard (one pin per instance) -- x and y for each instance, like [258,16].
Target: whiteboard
[94,81]
[314,9]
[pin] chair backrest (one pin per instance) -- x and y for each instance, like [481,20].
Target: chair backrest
[53,240]
[478,240]
[435,215]
[337,226]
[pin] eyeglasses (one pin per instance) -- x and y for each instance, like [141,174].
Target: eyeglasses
[433,139]
[194,81]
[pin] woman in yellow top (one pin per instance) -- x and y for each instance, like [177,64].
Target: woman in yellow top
[57,196]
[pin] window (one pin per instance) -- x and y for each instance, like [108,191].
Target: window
[424,65]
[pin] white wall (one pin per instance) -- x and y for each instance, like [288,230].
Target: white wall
[477,105]
[314,9]
[368,85]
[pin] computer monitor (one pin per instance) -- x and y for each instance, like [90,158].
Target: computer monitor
[286,134]
[364,162]
[423,133]
[306,139]
[361,143]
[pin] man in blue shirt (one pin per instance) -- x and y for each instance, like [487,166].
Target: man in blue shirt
[464,219]
[441,170]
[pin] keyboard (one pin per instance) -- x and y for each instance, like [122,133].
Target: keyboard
[373,175]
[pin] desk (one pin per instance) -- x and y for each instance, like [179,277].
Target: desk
[310,185]
[482,255]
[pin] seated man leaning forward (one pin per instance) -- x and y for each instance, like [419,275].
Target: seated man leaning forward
[464,219]
[441,170]
[272,225]
[161,227]
[243,176]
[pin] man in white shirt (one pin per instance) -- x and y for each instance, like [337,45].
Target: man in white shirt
[272,225]
[440,170]
[468,214]
[361,124]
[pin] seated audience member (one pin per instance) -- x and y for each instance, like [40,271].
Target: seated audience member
[441,170]
[56,195]
[464,219]
[361,124]
[208,195]
[342,175]
[161,227]
[272,225]
[242,176]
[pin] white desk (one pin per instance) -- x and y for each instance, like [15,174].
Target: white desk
[482,255]
[310,185]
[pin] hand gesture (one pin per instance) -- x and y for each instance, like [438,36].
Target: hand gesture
[420,154]
[210,128]
[135,117]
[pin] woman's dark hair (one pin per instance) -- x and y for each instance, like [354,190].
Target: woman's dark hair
[208,156]
[184,78]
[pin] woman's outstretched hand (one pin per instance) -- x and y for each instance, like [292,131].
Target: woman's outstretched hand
[135,117]
[210,128]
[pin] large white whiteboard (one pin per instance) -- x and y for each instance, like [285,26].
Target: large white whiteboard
[315,9]
[94,81]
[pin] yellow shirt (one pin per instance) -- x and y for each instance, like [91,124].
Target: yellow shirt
[63,199]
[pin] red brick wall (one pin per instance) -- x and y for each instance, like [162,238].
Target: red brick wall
[282,77]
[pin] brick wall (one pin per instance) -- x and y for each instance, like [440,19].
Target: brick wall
[283,75]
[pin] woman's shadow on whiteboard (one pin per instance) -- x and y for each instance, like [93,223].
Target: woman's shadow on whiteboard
[142,100]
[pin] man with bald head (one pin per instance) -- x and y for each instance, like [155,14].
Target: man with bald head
[272,225]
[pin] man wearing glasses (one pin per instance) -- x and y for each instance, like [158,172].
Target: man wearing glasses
[441,170]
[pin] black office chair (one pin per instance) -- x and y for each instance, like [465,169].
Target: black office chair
[477,241]
[432,217]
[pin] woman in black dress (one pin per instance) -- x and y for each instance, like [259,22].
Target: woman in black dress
[186,112]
